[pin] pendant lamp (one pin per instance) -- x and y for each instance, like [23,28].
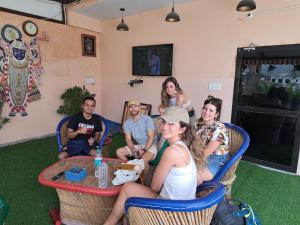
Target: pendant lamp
[246,5]
[122,26]
[172,16]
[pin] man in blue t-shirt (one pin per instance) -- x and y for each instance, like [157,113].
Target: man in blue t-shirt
[139,136]
[83,131]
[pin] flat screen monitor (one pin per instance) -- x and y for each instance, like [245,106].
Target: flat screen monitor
[152,60]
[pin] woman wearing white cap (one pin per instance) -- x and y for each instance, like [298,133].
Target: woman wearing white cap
[176,173]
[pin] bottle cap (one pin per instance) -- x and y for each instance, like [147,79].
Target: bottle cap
[98,161]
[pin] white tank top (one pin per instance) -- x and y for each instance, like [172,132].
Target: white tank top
[173,102]
[181,182]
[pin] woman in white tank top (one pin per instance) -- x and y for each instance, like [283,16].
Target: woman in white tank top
[176,174]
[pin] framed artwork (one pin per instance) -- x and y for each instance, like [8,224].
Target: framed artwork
[88,45]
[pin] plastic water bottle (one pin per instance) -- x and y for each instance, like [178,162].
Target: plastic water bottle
[103,174]
[97,162]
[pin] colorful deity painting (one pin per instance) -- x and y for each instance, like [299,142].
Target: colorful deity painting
[20,69]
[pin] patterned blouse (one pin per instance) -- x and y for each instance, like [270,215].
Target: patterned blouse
[215,132]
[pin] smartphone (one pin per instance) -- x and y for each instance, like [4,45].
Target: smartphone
[59,175]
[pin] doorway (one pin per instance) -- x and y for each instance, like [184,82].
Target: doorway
[266,103]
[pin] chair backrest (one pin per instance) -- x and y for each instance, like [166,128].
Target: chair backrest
[61,132]
[149,211]
[145,109]
[238,143]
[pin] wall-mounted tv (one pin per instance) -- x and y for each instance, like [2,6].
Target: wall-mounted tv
[152,60]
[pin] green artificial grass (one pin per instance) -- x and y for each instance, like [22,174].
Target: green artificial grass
[274,196]
[20,166]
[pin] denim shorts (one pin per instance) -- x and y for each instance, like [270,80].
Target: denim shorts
[79,147]
[215,162]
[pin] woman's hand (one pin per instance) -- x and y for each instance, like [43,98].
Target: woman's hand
[161,110]
[211,147]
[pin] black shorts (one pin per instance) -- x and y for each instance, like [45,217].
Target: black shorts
[79,147]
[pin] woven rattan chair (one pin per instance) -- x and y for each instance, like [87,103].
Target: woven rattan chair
[238,144]
[61,132]
[199,211]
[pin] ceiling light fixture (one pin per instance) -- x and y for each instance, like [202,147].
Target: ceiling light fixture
[246,5]
[172,16]
[122,26]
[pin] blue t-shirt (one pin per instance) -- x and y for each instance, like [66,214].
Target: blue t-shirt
[139,129]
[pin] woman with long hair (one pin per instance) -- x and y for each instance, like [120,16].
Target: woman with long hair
[213,135]
[176,174]
[172,95]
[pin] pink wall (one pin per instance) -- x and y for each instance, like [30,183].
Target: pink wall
[64,67]
[205,45]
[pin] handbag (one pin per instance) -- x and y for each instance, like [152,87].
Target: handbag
[234,212]
[124,175]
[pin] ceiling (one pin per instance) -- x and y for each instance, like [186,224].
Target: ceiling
[109,9]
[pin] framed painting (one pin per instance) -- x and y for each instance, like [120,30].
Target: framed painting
[88,45]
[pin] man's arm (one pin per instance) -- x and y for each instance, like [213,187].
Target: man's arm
[181,100]
[72,134]
[129,141]
[150,139]
[97,137]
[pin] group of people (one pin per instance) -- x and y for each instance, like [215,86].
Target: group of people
[197,149]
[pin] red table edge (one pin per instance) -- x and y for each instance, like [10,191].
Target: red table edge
[73,187]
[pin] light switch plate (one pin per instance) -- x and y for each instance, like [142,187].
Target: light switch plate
[90,80]
[214,86]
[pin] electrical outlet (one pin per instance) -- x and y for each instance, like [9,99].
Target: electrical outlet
[90,80]
[214,86]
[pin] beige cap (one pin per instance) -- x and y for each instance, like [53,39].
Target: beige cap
[133,102]
[175,114]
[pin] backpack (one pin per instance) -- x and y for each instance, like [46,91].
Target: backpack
[234,212]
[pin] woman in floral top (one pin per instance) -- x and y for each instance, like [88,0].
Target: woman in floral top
[214,136]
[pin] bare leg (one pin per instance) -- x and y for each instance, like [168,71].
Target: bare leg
[203,175]
[124,220]
[147,157]
[122,153]
[128,190]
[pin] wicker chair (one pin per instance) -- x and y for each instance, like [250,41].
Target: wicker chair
[199,211]
[238,144]
[61,132]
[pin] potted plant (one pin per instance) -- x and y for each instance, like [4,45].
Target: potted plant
[72,100]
